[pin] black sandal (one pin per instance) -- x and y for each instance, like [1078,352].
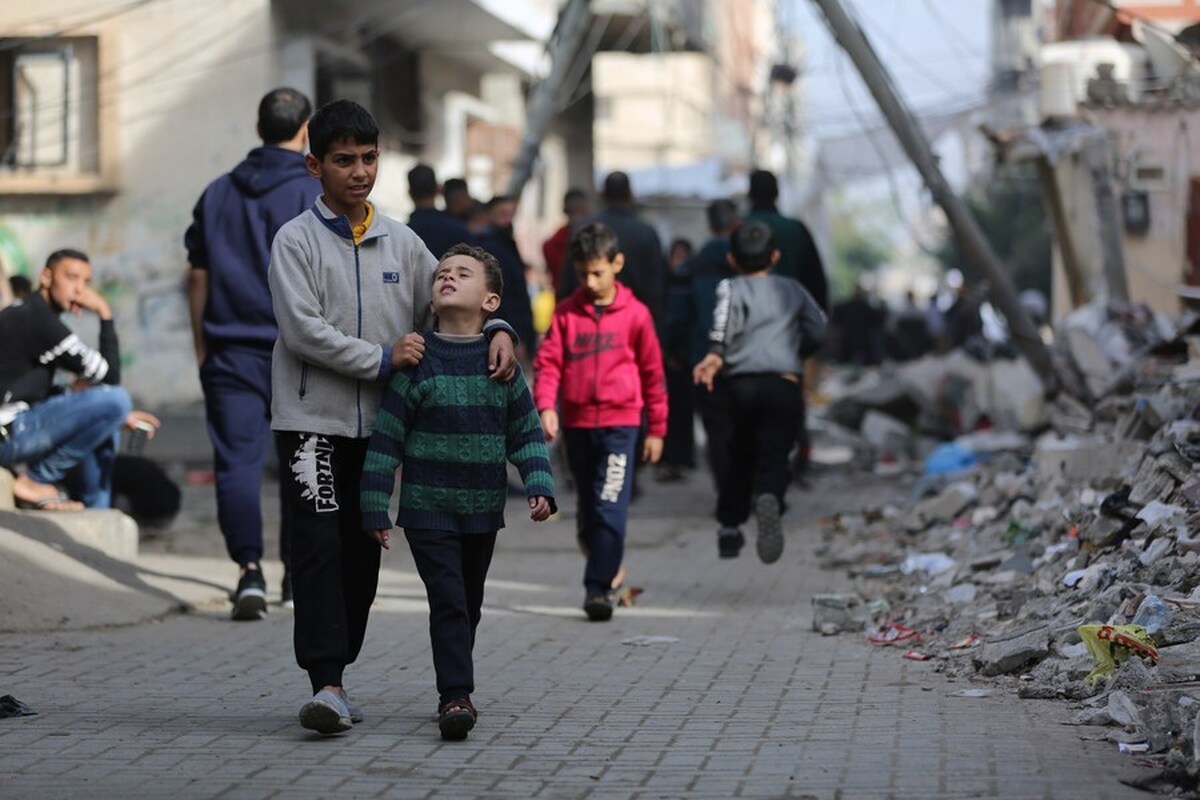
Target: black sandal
[456,718]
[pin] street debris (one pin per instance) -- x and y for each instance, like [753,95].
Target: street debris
[12,707]
[1048,548]
[646,641]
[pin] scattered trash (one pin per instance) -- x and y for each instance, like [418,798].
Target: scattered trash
[12,707]
[972,693]
[931,563]
[891,633]
[1133,747]
[1153,614]
[966,643]
[834,613]
[1112,644]
[646,641]
[913,655]
[949,458]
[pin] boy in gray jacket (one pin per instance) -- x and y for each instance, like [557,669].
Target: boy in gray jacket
[764,326]
[349,287]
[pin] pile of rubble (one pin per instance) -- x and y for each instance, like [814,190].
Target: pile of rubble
[1060,558]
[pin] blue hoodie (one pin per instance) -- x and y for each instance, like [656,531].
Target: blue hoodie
[232,228]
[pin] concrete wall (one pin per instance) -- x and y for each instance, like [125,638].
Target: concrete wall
[180,84]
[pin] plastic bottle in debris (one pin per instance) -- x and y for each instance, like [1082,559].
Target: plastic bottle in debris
[1153,614]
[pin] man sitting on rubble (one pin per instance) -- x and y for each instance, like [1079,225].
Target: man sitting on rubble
[71,434]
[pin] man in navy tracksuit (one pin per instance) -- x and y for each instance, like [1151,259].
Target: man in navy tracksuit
[438,229]
[233,325]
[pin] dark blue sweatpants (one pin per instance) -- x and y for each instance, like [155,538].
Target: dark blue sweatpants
[602,461]
[237,403]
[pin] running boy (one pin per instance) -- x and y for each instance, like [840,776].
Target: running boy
[763,328]
[451,429]
[601,364]
[348,287]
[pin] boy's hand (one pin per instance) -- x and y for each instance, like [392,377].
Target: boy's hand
[539,509]
[652,449]
[550,424]
[707,370]
[408,350]
[502,358]
[382,537]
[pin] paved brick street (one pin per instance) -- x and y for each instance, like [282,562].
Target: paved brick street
[748,702]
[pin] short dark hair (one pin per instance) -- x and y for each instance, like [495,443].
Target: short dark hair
[752,245]
[422,182]
[685,244]
[617,188]
[592,241]
[764,188]
[281,114]
[20,285]
[500,199]
[574,201]
[454,186]
[338,120]
[64,254]
[722,215]
[492,274]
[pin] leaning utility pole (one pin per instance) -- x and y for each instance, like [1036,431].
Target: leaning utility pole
[974,244]
[544,96]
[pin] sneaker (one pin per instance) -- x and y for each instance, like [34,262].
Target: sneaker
[730,542]
[598,607]
[285,591]
[456,718]
[250,598]
[770,531]
[352,708]
[326,713]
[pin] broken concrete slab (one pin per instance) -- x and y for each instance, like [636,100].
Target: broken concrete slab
[943,507]
[1077,459]
[1010,655]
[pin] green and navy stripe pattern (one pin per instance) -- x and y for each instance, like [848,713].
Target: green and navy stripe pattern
[451,429]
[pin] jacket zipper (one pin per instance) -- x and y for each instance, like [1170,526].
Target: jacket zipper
[358,289]
[303,378]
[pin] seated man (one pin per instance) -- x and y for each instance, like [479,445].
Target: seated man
[74,433]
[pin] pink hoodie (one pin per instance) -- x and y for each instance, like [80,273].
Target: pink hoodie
[601,366]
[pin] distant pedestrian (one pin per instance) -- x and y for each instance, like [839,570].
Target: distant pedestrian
[679,448]
[438,229]
[576,206]
[457,198]
[600,366]
[20,286]
[351,288]
[233,328]
[428,410]
[645,269]
[498,238]
[763,328]
[706,270]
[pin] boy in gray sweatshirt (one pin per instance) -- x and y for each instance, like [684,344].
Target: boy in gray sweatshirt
[349,288]
[764,326]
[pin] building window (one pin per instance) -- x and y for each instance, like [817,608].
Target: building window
[50,139]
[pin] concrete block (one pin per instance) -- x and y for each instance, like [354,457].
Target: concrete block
[110,532]
[952,501]
[7,501]
[1180,662]
[833,613]
[1079,459]
[1010,655]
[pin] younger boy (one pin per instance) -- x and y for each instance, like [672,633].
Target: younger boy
[348,286]
[451,428]
[601,364]
[763,327]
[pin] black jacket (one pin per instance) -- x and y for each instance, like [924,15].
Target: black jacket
[36,342]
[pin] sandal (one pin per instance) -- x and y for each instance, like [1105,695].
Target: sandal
[456,718]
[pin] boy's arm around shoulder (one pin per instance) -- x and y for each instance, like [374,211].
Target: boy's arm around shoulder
[648,353]
[294,280]
[526,445]
[385,452]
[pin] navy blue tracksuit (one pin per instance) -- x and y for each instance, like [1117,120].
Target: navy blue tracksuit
[602,462]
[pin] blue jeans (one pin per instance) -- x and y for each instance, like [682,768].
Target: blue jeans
[73,436]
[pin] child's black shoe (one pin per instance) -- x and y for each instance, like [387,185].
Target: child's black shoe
[456,718]
[730,542]
[598,607]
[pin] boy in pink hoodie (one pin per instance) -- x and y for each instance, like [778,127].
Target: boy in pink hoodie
[601,366]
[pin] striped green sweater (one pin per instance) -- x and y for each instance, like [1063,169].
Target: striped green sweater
[451,427]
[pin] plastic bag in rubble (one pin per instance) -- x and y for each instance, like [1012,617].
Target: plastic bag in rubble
[1112,644]
[1153,614]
